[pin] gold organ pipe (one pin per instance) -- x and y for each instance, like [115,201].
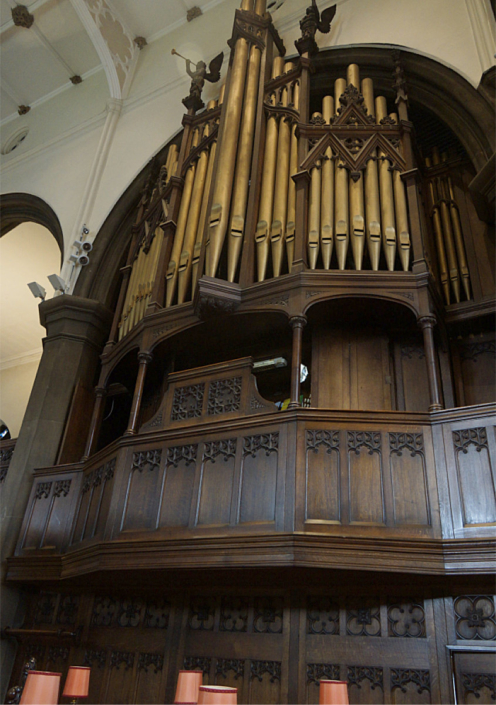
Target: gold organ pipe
[341,227]
[243,164]
[356,191]
[458,234]
[293,168]
[386,191]
[143,288]
[278,227]
[372,202]
[314,216]
[140,265]
[267,188]
[341,212]
[184,270]
[353,75]
[126,309]
[339,89]
[401,220]
[152,258]
[247,5]
[172,270]
[438,234]
[327,200]
[450,249]
[260,6]
[219,215]
[203,216]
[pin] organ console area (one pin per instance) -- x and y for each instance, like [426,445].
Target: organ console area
[285,470]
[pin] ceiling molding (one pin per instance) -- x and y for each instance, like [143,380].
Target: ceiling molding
[113,42]
[22,359]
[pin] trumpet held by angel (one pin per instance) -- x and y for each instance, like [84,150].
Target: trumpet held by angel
[199,73]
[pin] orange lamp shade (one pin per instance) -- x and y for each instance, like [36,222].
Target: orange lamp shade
[188,684]
[333,693]
[217,695]
[77,684]
[41,688]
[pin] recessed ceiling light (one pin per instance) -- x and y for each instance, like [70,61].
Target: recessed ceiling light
[15,140]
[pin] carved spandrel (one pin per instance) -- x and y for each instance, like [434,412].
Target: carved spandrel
[400,677]
[322,616]
[357,674]
[197,663]
[149,459]
[225,667]
[234,614]
[42,490]
[57,654]
[61,488]
[322,671]
[328,439]
[224,449]
[471,436]
[188,402]
[471,351]
[412,443]
[475,617]
[153,660]
[124,659]
[367,440]
[406,619]
[178,454]
[267,442]
[95,657]
[473,683]
[224,396]
[268,615]
[270,668]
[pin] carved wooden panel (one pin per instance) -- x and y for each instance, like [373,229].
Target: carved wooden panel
[410,685]
[216,482]
[365,684]
[38,515]
[224,396]
[477,365]
[475,677]
[475,617]
[365,477]
[410,358]
[408,478]
[323,476]
[475,476]
[257,501]
[265,682]
[94,501]
[143,492]
[177,491]
[119,685]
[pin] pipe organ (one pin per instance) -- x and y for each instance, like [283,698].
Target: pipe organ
[286,472]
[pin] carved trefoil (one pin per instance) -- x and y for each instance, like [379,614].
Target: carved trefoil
[224,396]
[188,402]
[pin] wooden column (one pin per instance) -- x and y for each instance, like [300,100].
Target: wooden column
[297,323]
[144,360]
[96,421]
[302,179]
[427,323]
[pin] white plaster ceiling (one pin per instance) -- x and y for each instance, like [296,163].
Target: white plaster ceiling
[37,62]
[28,253]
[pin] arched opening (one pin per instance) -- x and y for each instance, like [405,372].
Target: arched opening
[28,253]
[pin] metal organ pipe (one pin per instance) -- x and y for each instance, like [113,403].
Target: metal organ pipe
[268,181]
[327,200]
[278,227]
[386,191]
[293,168]
[373,207]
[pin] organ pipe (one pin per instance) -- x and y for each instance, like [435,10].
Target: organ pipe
[278,227]
[314,216]
[293,168]
[458,235]
[386,194]
[373,208]
[327,201]
[356,192]
[242,175]
[268,180]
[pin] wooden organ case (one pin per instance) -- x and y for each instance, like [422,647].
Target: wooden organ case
[288,469]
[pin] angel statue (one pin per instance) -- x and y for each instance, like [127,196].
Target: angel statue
[199,75]
[313,21]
